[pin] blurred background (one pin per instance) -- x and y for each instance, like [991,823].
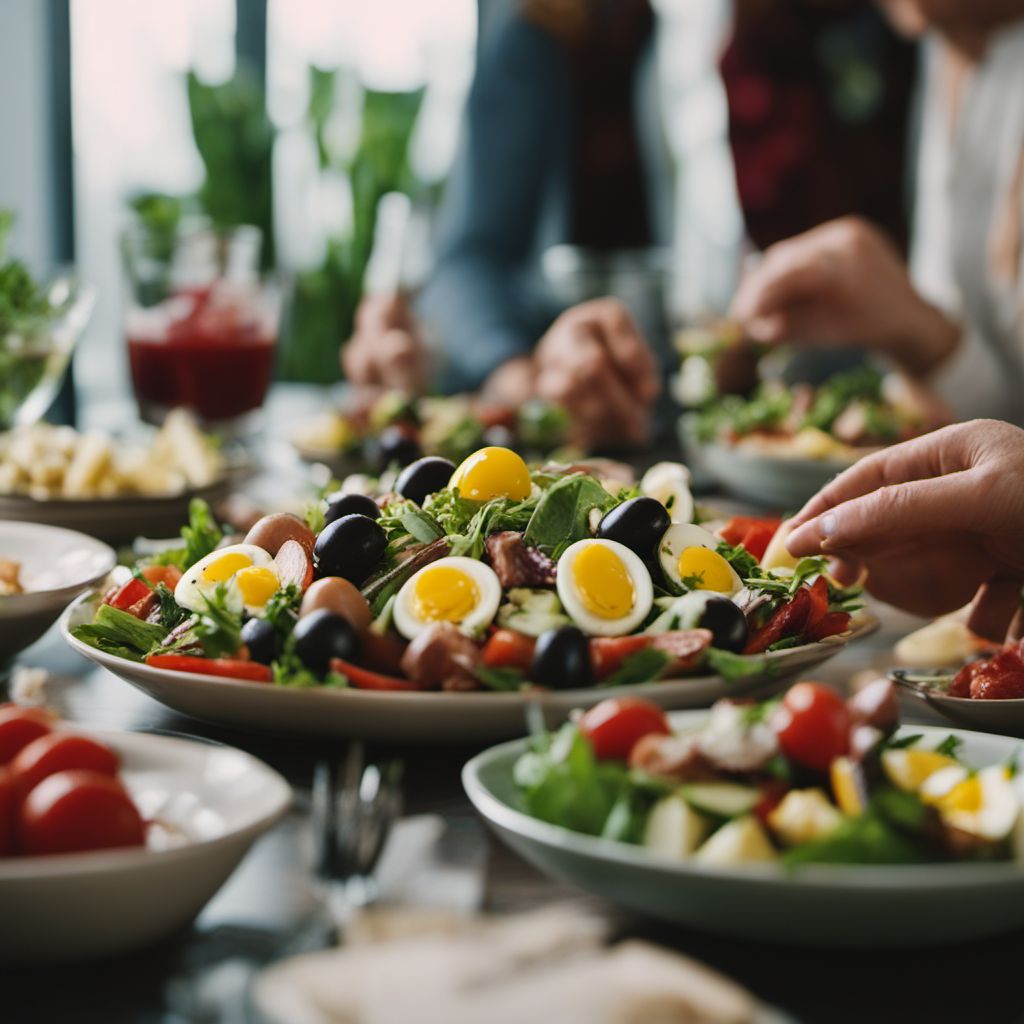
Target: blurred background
[297,116]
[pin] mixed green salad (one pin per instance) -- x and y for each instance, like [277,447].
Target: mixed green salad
[808,778]
[483,576]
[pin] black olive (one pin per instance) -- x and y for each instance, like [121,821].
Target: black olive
[350,547]
[561,659]
[321,636]
[393,447]
[639,523]
[350,505]
[423,477]
[727,623]
[263,641]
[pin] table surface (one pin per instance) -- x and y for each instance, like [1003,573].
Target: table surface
[184,978]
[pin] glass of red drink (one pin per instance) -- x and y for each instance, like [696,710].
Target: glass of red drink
[201,323]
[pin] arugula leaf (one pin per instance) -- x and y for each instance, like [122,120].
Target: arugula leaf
[172,614]
[745,564]
[218,627]
[903,742]
[421,525]
[287,670]
[562,516]
[868,839]
[641,666]
[202,535]
[732,667]
[116,632]
[504,680]
[315,516]
[282,610]
[950,746]
[786,643]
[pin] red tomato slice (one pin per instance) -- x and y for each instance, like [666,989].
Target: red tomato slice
[19,727]
[813,725]
[788,619]
[71,812]
[607,653]
[829,624]
[752,532]
[508,648]
[60,752]
[364,679]
[130,594]
[614,726]
[229,668]
[168,575]
[8,812]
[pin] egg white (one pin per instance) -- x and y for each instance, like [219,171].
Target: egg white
[680,536]
[410,625]
[643,590]
[669,483]
[191,592]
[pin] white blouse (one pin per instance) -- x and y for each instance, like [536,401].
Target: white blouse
[967,254]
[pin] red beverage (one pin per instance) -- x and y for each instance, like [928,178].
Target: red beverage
[210,350]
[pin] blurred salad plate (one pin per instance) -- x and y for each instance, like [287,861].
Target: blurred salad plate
[805,820]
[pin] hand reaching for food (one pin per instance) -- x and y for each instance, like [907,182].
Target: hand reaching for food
[594,362]
[935,522]
[386,350]
[844,283]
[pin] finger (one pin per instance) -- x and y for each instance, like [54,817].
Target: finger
[932,455]
[356,362]
[890,514]
[847,571]
[401,361]
[792,271]
[630,354]
[994,609]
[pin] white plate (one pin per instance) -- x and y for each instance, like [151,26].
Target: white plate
[86,905]
[56,566]
[1000,716]
[432,717]
[840,905]
[115,520]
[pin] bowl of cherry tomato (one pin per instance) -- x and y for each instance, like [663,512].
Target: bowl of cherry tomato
[110,841]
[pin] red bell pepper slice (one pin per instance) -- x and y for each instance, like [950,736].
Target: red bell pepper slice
[229,668]
[752,532]
[364,679]
[788,619]
[829,624]
[508,648]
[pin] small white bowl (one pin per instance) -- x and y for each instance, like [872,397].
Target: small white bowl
[87,905]
[56,566]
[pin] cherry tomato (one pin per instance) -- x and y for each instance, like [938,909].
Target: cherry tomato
[607,653]
[60,752]
[614,726]
[813,725]
[8,812]
[228,668]
[74,811]
[508,648]
[19,727]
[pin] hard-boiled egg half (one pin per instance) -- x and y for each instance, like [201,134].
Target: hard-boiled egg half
[669,483]
[461,591]
[492,473]
[689,558]
[604,587]
[983,803]
[247,573]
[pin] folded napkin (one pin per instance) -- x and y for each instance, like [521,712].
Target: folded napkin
[549,965]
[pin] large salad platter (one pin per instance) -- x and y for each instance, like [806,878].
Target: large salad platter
[445,608]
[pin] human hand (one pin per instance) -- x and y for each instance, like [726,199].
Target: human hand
[511,384]
[935,522]
[386,350]
[594,362]
[844,283]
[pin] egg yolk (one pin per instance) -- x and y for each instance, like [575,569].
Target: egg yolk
[707,568]
[220,570]
[603,582]
[964,797]
[492,473]
[444,594]
[257,584]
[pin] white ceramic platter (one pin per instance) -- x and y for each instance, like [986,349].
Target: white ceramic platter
[87,905]
[432,717]
[835,905]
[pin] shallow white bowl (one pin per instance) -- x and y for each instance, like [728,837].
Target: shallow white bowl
[1000,716]
[87,905]
[56,566]
[834,905]
[431,717]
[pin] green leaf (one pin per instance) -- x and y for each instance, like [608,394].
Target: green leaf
[745,564]
[903,742]
[950,746]
[504,680]
[732,667]
[116,632]
[641,666]
[421,525]
[562,516]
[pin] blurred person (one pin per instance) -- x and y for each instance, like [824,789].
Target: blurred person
[935,523]
[562,143]
[955,319]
